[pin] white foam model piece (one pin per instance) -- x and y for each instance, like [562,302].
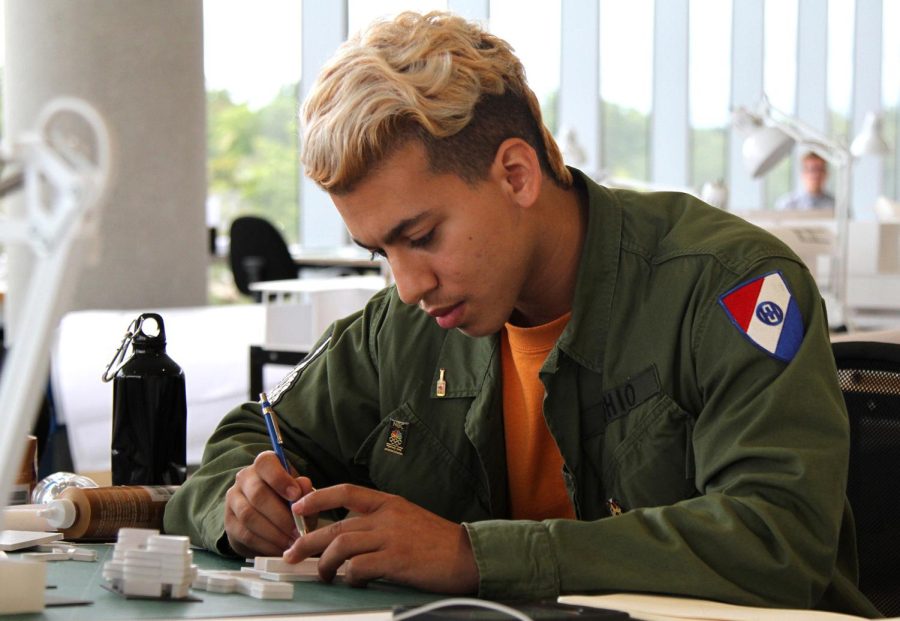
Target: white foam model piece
[218,581]
[147,564]
[276,568]
[11,540]
[61,551]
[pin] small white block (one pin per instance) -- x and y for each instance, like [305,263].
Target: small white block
[56,555]
[143,588]
[179,591]
[261,589]
[135,536]
[83,554]
[278,564]
[303,572]
[169,543]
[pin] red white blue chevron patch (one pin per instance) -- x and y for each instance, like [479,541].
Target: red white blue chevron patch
[765,312]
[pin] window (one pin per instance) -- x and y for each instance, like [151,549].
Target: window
[841,21]
[535,36]
[2,61]
[780,81]
[252,67]
[626,87]
[360,13]
[709,73]
[890,89]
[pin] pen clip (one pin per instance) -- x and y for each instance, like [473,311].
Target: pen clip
[269,414]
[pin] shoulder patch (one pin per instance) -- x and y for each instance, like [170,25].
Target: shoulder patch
[765,312]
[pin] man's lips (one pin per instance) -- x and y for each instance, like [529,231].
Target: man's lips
[441,311]
[447,317]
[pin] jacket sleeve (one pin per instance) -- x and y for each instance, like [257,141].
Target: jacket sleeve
[770,446]
[321,422]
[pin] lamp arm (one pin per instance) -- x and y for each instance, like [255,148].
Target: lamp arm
[62,191]
[831,150]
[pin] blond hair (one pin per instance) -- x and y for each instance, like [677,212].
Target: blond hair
[438,78]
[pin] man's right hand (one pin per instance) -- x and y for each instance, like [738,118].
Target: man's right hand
[258,520]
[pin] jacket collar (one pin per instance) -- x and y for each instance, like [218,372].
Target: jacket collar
[584,339]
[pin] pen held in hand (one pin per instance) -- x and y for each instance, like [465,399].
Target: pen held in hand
[278,447]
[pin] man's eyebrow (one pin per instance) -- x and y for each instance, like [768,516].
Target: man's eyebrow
[397,231]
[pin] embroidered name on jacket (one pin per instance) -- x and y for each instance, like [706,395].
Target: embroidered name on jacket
[766,313]
[622,399]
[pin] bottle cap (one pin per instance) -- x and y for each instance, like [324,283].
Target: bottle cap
[61,513]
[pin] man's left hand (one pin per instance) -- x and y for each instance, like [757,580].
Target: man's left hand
[386,537]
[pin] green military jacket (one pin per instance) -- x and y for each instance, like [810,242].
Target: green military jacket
[728,465]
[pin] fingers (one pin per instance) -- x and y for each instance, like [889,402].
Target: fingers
[354,498]
[388,538]
[252,537]
[257,517]
[269,469]
[354,548]
[316,542]
[349,541]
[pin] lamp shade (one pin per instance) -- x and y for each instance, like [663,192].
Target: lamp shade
[869,141]
[763,148]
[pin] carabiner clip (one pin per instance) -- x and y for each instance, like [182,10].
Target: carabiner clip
[133,329]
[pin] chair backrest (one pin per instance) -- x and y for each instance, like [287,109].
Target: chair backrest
[869,375]
[258,252]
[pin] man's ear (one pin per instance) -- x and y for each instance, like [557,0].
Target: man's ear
[517,168]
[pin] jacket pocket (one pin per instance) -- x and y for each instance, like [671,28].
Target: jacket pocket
[647,455]
[403,457]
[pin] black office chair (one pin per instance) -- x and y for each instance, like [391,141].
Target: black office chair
[258,252]
[869,375]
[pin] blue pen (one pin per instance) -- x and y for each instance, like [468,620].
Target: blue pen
[278,447]
[274,431]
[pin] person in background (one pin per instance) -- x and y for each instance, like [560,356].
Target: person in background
[814,174]
[568,388]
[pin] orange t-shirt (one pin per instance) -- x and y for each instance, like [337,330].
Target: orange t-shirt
[534,465]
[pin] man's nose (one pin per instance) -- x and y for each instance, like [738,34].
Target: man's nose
[413,277]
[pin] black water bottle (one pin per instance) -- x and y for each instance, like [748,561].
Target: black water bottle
[149,409]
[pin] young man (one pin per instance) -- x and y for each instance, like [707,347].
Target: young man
[569,389]
[813,174]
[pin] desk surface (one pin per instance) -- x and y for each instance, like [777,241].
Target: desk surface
[81,580]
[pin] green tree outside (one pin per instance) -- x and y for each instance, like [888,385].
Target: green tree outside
[252,159]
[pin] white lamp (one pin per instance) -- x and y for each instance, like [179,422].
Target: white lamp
[770,136]
[63,189]
[764,148]
[870,140]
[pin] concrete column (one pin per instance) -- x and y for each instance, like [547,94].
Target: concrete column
[141,65]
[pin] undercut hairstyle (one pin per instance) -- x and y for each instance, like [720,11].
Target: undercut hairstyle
[435,78]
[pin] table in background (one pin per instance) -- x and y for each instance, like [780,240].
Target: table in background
[261,356]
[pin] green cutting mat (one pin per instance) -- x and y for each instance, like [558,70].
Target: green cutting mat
[80,580]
